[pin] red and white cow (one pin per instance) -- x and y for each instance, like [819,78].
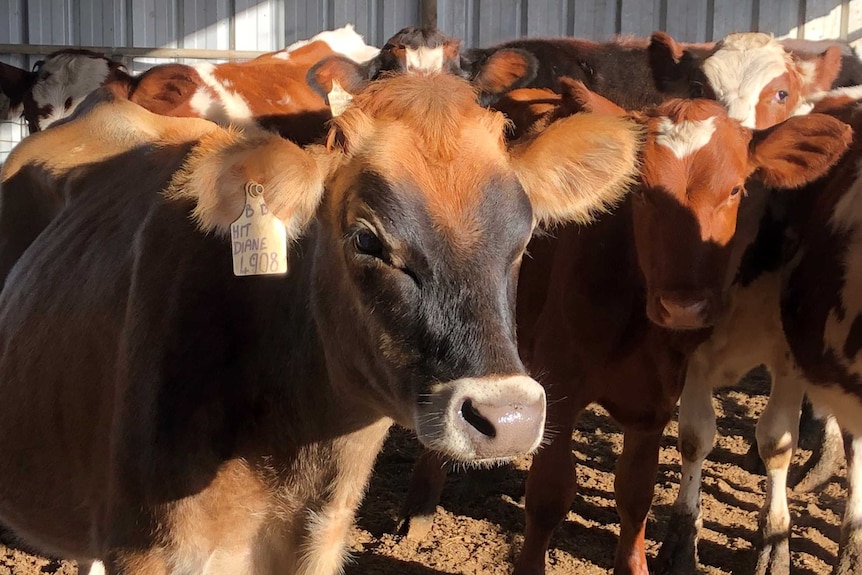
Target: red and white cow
[222,424]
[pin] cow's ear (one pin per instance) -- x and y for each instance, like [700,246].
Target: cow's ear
[581,98]
[353,77]
[665,59]
[14,83]
[497,71]
[578,167]
[225,160]
[798,150]
[819,72]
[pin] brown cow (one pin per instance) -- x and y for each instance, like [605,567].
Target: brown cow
[210,423]
[620,334]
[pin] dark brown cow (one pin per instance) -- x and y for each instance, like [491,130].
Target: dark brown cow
[620,334]
[221,424]
[632,73]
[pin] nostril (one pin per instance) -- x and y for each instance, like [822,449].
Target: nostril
[472,416]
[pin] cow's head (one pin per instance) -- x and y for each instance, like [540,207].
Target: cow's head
[417,242]
[695,165]
[757,80]
[427,50]
[62,81]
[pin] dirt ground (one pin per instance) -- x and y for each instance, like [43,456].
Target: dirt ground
[479,522]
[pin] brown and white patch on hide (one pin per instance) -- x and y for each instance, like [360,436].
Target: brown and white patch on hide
[424,59]
[109,128]
[686,137]
[225,160]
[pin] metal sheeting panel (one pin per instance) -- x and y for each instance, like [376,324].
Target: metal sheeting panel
[483,22]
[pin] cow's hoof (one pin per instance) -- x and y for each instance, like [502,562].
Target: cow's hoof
[826,457]
[850,552]
[678,553]
[773,556]
[416,528]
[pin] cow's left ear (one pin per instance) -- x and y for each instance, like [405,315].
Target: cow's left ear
[225,160]
[578,166]
[798,150]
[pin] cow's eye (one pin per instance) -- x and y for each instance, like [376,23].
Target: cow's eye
[781,95]
[737,190]
[366,242]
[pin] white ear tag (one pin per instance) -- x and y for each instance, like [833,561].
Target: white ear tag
[258,239]
[339,99]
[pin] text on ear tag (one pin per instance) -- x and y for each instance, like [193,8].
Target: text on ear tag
[258,239]
[339,99]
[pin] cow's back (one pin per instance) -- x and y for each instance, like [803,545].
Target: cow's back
[74,279]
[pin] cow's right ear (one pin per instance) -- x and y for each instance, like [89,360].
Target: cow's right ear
[225,160]
[798,150]
[493,72]
[352,76]
[578,166]
[14,84]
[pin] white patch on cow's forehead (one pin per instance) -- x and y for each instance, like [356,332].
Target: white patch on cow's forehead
[739,70]
[344,40]
[685,138]
[233,109]
[65,76]
[424,59]
[846,220]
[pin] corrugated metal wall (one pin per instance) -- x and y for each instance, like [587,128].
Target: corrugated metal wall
[272,24]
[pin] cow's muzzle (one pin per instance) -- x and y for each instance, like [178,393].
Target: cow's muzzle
[695,310]
[483,418]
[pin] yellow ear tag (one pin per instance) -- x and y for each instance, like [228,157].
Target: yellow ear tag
[258,239]
[339,99]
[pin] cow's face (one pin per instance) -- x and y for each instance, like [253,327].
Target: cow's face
[62,82]
[424,223]
[761,83]
[418,236]
[696,162]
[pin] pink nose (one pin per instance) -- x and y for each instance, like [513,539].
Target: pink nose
[684,313]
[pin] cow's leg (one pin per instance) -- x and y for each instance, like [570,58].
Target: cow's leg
[678,554]
[777,432]
[634,486]
[850,547]
[825,439]
[550,490]
[426,484]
